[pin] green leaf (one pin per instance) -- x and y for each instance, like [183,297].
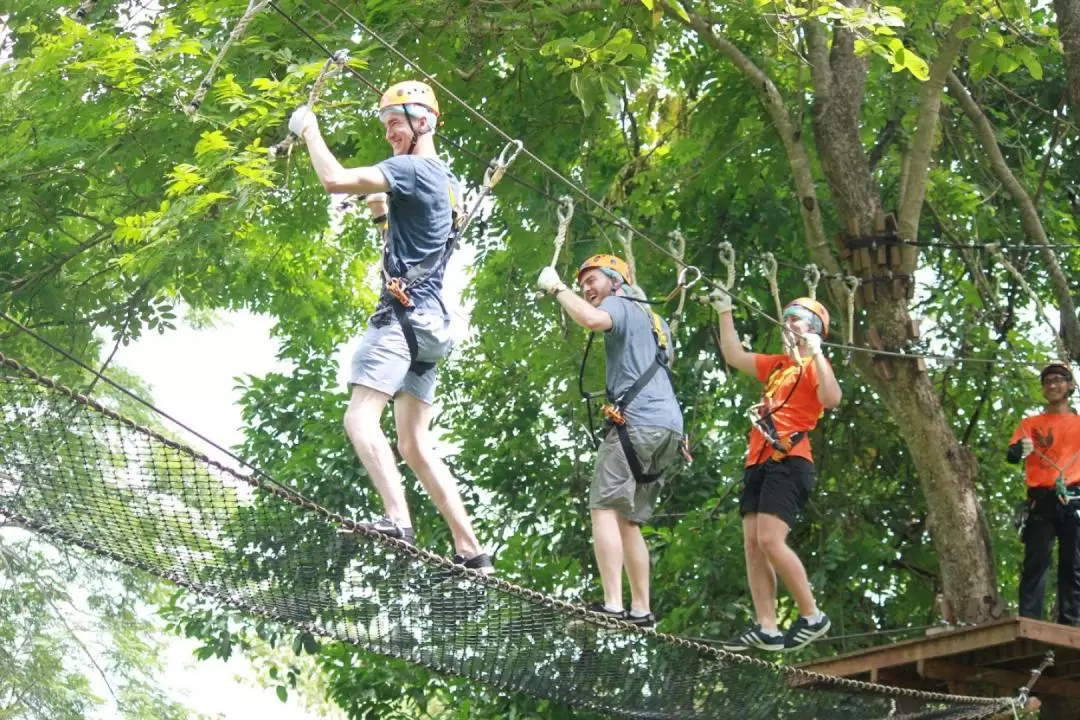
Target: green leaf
[1031,62]
[1007,62]
[282,693]
[211,141]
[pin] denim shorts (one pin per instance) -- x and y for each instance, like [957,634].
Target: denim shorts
[381,360]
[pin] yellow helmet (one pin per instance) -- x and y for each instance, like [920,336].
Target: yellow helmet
[408,93]
[606,262]
[814,307]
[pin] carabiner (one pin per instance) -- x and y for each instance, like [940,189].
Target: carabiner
[686,269]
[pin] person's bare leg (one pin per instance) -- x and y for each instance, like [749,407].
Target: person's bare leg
[413,417]
[760,574]
[636,562]
[363,427]
[772,535]
[608,546]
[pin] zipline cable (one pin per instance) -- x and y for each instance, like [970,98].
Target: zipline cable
[615,219]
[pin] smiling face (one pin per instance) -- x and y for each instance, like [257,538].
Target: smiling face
[398,132]
[596,285]
[1056,388]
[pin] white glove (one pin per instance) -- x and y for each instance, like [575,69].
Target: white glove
[549,280]
[720,300]
[302,119]
[1027,446]
[812,341]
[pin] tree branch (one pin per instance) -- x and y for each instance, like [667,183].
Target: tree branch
[790,135]
[913,191]
[1029,215]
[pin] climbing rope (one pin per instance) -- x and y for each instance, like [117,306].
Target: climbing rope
[565,213]
[626,238]
[332,65]
[254,8]
[850,286]
[1024,692]
[771,268]
[812,276]
[995,250]
[684,281]
[725,253]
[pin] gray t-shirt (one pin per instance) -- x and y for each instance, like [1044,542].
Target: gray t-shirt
[629,350]
[421,218]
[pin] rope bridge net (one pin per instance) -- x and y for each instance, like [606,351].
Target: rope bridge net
[82,474]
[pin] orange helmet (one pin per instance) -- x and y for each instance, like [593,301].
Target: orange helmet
[606,262]
[815,308]
[408,93]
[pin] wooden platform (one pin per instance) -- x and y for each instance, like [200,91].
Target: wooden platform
[993,660]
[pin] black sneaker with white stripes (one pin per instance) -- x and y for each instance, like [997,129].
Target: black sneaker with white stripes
[754,637]
[803,632]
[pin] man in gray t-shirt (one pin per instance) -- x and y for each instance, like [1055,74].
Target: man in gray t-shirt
[644,431]
[409,332]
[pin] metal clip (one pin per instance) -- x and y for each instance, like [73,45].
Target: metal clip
[686,270]
[497,167]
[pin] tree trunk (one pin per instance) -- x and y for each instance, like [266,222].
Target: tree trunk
[947,470]
[1068,17]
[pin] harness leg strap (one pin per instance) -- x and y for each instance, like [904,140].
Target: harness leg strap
[407,330]
[632,458]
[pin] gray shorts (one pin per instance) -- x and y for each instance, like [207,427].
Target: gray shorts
[381,361]
[613,485]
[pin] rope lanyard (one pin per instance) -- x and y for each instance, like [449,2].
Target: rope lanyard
[254,8]
[333,64]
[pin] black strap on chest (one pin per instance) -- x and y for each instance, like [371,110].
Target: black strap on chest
[615,408]
[398,287]
[781,445]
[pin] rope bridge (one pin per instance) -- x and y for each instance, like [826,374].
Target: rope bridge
[78,472]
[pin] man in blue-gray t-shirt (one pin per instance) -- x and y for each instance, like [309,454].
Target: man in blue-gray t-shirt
[645,426]
[409,332]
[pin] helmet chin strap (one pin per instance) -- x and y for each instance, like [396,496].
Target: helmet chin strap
[412,129]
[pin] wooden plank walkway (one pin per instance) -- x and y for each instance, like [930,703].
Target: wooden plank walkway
[993,659]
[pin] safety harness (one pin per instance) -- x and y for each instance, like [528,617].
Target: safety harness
[615,407]
[398,286]
[762,418]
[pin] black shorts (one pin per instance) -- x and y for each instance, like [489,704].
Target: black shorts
[777,488]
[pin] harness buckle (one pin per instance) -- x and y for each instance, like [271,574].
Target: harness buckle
[396,287]
[613,414]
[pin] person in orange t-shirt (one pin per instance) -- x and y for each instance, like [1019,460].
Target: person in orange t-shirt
[779,470]
[1049,446]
